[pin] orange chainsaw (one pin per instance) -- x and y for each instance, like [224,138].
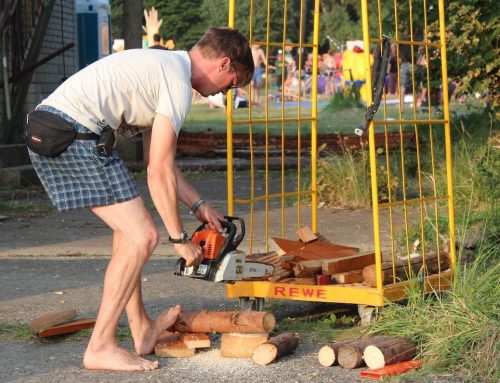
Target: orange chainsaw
[222,262]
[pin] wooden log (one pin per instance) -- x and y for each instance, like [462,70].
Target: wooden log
[225,321]
[171,346]
[347,277]
[402,271]
[306,235]
[195,340]
[52,319]
[350,355]
[68,327]
[327,354]
[275,347]
[240,345]
[349,263]
[389,352]
[283,246]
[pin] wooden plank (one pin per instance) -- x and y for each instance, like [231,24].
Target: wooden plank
[347,277]
[306,235]
[170,345]
[353,262]
[52,319]
[284,246]
[195,340]
[68,327]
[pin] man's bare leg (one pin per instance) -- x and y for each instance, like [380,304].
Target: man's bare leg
[136,237]
[146,331]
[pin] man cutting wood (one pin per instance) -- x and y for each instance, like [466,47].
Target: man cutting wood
[130,92]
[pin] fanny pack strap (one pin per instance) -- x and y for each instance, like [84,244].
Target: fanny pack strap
[87,136]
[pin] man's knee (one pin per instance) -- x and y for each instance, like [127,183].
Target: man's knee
[146,241]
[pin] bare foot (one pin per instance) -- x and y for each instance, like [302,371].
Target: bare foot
[114,358]
[146,340]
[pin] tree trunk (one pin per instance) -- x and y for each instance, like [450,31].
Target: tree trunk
[132,23]
[275,347]
[402,270]
[327,355]
[225,321]
[389,352]
[350,355]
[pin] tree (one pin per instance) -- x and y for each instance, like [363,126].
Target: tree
[473,31]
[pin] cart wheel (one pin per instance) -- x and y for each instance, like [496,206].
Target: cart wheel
[368,314]
[247,304]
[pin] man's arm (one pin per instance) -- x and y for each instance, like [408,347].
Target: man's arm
[162,182]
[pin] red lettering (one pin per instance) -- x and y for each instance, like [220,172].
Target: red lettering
[321,293]
[308,292]
[279,291]
[294,292]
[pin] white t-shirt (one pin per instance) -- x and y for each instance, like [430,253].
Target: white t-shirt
[127,89]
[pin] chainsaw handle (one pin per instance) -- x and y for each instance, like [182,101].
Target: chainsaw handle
[236,239]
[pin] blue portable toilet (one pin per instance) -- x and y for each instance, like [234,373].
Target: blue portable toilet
[93,30]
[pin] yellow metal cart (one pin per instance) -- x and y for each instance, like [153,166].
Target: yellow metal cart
[428,199]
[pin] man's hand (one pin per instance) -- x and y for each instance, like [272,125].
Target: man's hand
[206,213]
[192,253]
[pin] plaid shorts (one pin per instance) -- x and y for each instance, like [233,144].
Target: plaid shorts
[79,177]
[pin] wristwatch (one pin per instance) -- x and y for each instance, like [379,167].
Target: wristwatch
[183,238]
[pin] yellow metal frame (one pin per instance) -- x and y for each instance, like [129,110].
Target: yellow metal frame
[360,294]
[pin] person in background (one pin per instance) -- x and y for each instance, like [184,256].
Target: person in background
[158,42]
[139,91]
[259,62]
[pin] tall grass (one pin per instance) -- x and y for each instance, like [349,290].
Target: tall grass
[344,181]
[459,331]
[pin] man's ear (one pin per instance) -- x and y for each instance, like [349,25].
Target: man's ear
[225,62]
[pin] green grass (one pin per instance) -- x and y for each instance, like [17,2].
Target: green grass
[458,331]
[341,120]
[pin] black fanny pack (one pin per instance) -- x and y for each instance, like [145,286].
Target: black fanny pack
[49,134]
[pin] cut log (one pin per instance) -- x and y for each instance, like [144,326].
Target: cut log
[354,276]
[225,321]
[240,345]
[52,319]
[68,327]
[275,347]
[349,263]
[306,235]
[170,345]
[389,352]
[350,355]
[327,354]
[195,340]
[402,271]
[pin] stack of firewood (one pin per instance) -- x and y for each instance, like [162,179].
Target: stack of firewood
[375,352]
[245,334]
[312,260]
